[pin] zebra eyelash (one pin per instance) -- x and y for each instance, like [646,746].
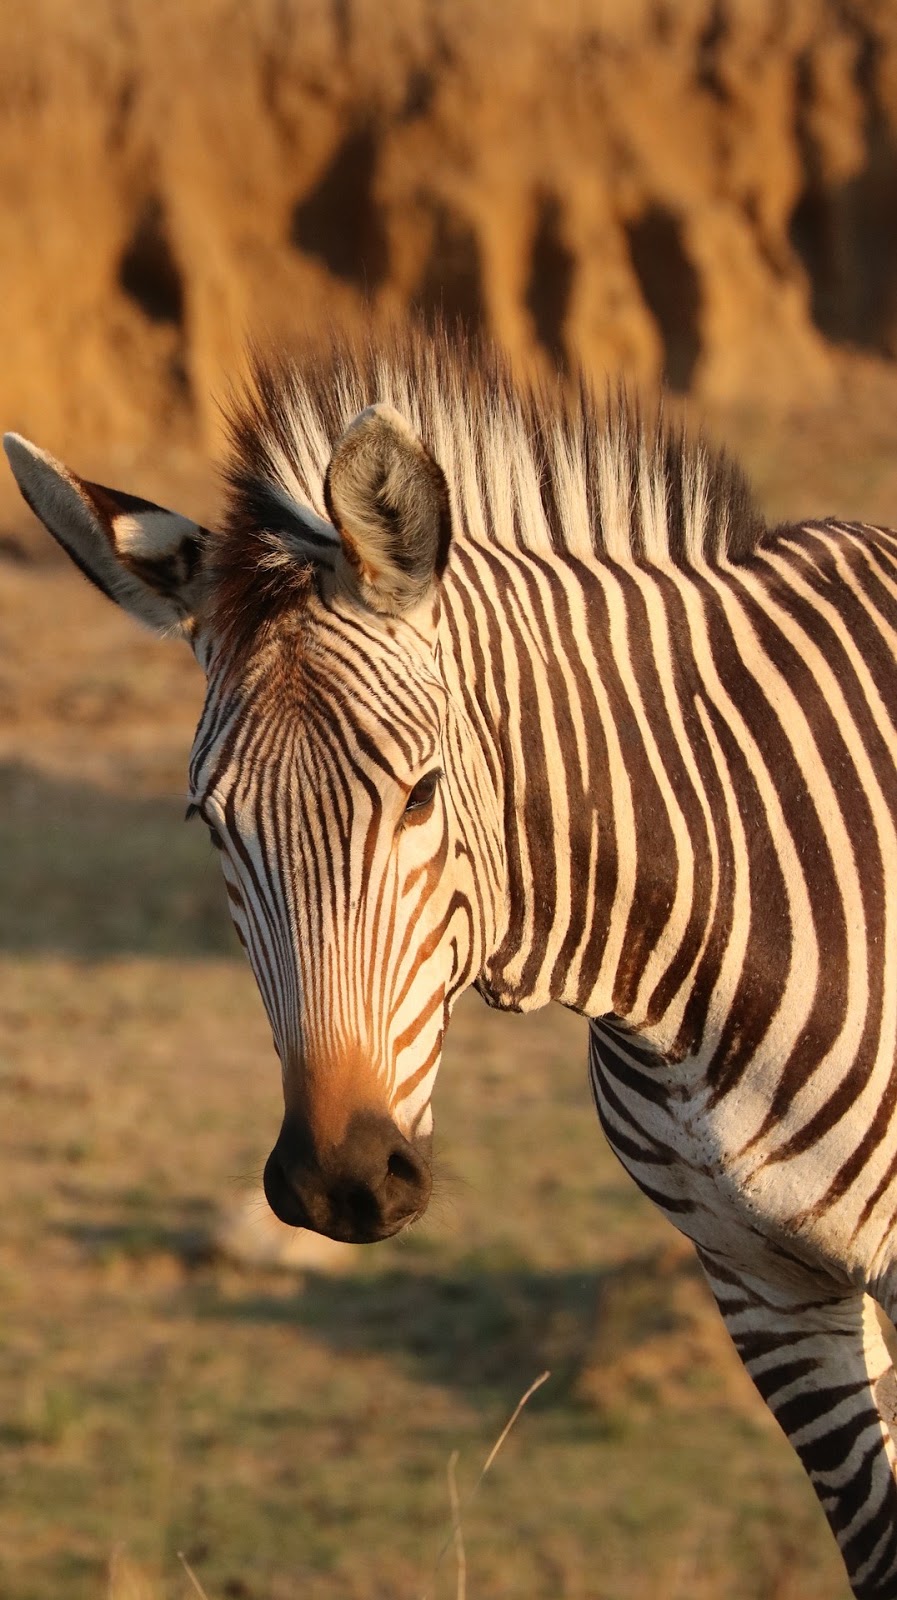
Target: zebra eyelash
[423,793]
[194,810]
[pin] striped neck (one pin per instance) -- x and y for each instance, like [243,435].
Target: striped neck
[599,914]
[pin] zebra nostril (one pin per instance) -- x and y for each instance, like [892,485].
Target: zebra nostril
[281,1195]
[406,1189]
[400,1166]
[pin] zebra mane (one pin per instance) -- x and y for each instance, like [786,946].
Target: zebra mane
[541,467]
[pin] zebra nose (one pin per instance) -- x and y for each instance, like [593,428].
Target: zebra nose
[365,1189]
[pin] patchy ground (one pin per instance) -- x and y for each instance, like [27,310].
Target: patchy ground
[292,1436]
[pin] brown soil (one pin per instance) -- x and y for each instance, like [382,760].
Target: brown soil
[701,189]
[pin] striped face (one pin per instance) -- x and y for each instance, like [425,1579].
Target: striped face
[336,772]
[325,777]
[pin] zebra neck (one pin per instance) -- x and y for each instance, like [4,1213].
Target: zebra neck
[569,708]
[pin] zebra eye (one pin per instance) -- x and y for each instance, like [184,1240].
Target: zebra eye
[423,791]
[196,811]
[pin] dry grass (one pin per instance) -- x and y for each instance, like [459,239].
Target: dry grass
[683,1578]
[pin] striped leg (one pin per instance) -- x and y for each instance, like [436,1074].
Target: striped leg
[821,1365]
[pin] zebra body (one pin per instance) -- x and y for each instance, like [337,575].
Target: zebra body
[787,942]
[548,710]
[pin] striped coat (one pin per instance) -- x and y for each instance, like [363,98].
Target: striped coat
[509,688]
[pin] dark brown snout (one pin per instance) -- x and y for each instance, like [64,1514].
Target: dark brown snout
[368,1187]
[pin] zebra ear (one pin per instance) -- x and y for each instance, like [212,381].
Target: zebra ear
[145,558]
[389,501]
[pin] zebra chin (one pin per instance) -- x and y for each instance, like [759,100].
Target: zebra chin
[366,1189]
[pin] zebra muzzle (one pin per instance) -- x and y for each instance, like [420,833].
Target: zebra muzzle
[367,1188]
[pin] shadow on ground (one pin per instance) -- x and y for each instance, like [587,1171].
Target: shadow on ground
[90,874]
[472,1328]
[137,1224]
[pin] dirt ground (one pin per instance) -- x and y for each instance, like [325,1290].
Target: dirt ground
[291,1434]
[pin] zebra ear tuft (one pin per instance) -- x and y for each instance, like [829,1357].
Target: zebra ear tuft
[148,560]
[389,501]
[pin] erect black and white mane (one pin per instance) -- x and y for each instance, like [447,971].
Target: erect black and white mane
[540,467]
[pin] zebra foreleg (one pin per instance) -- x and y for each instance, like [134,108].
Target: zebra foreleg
[818,1358]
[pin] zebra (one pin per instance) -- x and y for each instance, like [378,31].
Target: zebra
[511,686]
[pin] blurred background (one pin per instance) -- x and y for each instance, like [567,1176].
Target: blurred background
[695,193]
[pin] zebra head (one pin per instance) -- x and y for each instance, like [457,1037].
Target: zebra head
[337,771]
